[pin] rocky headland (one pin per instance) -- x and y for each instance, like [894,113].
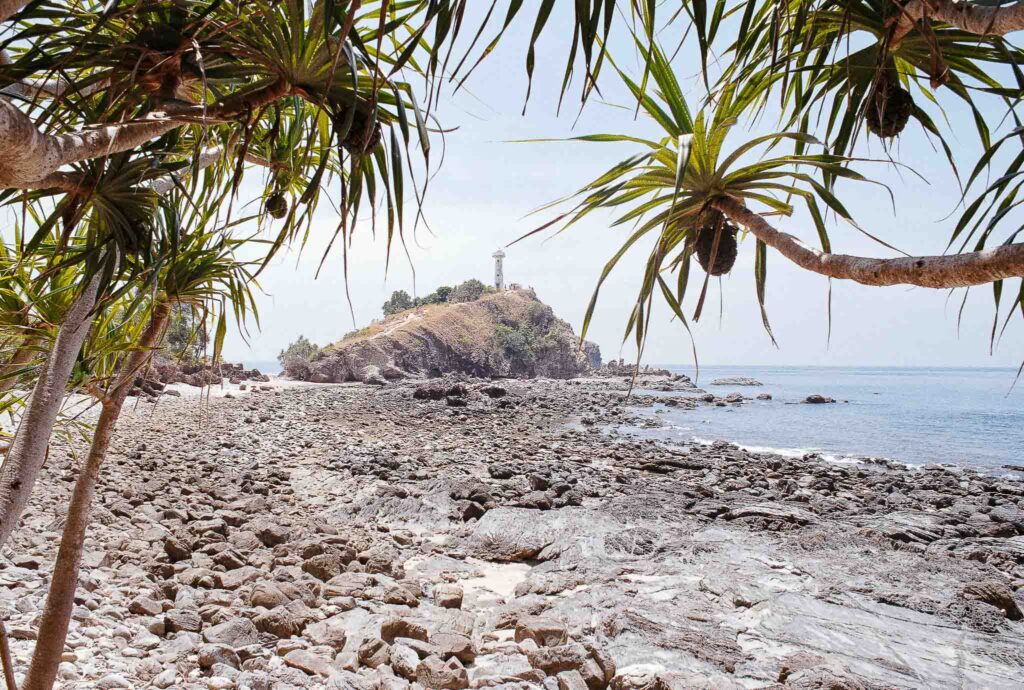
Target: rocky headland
[507,333]
[471,533]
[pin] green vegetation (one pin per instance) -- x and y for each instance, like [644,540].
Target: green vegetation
[296,358]
[524,343]
[469,291]
[186,337]
[399,301]
[517,344]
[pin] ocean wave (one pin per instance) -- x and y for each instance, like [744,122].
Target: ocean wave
[838,459]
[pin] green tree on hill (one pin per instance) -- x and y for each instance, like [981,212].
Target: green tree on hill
[469,291]
[399,301]
[296,358]
[439,296]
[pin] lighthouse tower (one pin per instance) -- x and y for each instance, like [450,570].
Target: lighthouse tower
[499,270]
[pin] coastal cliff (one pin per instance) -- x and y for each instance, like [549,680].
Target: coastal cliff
[504,334]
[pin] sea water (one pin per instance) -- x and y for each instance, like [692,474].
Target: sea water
[969,417]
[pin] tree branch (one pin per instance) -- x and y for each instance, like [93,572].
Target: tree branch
[28,156]
[958,270]
[65,182]
[206,158]
[9,8]
[55,87]
[975,19]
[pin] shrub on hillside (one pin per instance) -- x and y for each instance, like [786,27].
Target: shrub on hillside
[400,301]
[439,296]
[517,344]
[296,358]
[469,291]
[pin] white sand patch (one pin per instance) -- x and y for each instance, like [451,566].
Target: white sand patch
[236,389]
[497,584]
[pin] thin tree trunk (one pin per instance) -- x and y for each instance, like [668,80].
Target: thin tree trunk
[60,600]
[25,459]
[5,659]
[952,271]
[22,356]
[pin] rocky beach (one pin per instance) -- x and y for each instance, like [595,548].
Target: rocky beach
[464,532]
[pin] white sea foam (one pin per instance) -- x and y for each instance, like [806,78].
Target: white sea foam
[791,452]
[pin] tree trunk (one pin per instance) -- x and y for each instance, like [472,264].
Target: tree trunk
[22,356]
[60,600]
[28,453]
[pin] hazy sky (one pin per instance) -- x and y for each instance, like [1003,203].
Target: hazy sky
[480,200]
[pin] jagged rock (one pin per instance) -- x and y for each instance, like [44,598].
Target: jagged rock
[448,596]
[402,627]
[235,633]
[284,621]
[176,549]
[272,594]
[271,534]
[996,594]
[328,565]
[450,645]
[546,632]
[404,660]
[210,654]
[144,606]
[233,579]
[308,662]
[374,653]
[511,534]
[327,633]
[178,620]
[571,680]
[554,660]
[433,672]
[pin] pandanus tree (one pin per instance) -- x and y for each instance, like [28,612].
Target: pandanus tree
[838,75]
[106,106]
[197,269]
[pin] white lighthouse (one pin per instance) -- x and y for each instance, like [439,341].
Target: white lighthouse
[499,270]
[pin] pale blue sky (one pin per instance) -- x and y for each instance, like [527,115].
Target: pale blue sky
[486,186]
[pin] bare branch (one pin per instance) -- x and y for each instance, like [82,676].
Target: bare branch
[958,270]
[28,156]
[206,158]
[975,19]
[54,87]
